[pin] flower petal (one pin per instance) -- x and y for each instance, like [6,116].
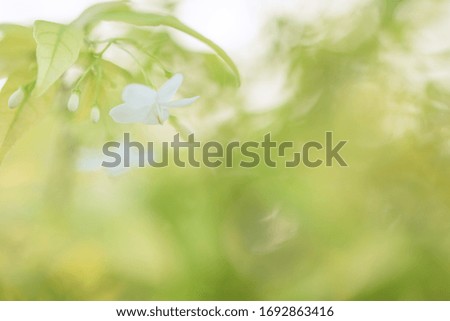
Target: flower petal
[168,90]
[125,114]
[181,102]
[151,118]
[164,115]
[137,95]
[157,118]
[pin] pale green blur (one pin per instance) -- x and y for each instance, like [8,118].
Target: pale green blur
[376,230]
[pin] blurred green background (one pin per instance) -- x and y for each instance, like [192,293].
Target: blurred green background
[376,73]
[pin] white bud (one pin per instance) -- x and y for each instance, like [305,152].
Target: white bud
[16,98]
[95,114]
[74,102]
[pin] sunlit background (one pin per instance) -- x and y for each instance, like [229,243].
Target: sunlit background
[376,73]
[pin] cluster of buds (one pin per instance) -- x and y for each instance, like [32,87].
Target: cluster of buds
[18,98]
[74,103]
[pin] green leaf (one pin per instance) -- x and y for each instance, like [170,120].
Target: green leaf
[89,15]
[15,122]
[58,48]
[151,20]
[17,48]
[15,39]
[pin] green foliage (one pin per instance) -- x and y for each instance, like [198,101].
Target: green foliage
[50,50]
[153,20]
[58,48]
[14,122]
[17,48]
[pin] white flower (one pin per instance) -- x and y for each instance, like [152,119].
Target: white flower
[16,98]
[95,114]
[74,102]
[145,105]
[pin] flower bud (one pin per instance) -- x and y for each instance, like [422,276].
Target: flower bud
[16,98]
[74,102]
[95,114]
